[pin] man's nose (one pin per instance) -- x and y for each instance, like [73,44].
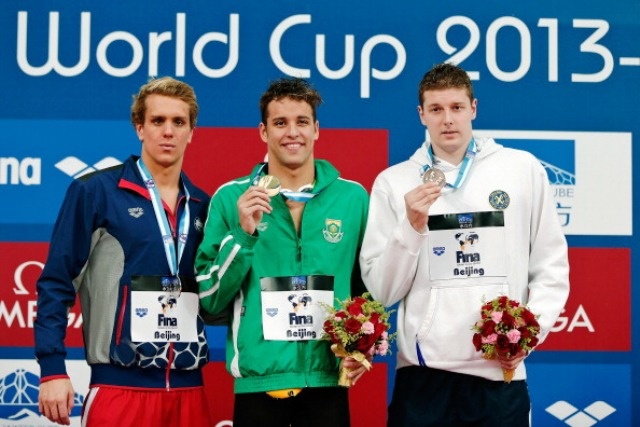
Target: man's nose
[293,130]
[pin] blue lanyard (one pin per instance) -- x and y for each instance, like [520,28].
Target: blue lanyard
[304,193]
[173,257]
[469,156]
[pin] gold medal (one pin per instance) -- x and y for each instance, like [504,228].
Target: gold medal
[270,183]
[434,175]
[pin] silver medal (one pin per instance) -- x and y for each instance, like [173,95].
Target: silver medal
[434,175]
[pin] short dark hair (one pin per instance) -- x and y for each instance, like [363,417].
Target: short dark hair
[445,76]
[290,87]
[166,86]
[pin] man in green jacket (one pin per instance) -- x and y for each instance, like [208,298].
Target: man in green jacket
[278,243]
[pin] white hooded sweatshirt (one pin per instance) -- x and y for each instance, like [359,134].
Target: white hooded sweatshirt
[442,277]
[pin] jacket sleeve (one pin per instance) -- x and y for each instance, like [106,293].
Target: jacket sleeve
[223,259]
[390,250]
[548,258]
[68,252]
[357,284]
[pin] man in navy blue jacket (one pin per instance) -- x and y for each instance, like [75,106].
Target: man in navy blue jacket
[125,241]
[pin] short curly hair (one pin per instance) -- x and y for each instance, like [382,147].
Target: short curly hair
[445,76]
[294,88]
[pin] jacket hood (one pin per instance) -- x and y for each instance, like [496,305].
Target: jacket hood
[484,146]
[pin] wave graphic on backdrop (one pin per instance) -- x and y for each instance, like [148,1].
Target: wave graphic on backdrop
[19,397]
[558,176]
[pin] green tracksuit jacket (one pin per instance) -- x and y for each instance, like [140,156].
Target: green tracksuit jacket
[231,262]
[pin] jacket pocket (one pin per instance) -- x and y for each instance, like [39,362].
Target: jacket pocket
[445,334]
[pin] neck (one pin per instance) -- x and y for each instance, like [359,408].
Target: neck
[453,157]
[163,176]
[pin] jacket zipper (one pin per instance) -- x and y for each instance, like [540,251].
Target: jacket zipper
[123,308]
[169,363]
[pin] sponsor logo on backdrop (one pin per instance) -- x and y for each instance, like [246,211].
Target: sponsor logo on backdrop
[24,171]
[19,381]
[21,267]
[579,196]
[28,170]
[580,395]
[572,416]
[75,167]
[586,324]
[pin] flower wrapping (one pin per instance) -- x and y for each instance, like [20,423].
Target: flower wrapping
[358,327]
[505,328]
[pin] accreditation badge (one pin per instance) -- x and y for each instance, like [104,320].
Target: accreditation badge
[166,313]
[467,245]
[292,307]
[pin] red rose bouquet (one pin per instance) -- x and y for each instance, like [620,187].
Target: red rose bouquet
[504,329]
[357,328]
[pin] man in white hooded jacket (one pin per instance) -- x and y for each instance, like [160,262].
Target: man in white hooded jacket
[463,221]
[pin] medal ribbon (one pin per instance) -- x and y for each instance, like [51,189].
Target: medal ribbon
[256,176]
[464,167]
[173,256]
[304,193]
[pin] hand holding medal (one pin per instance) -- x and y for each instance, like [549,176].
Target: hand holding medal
[419,200]
[254,203]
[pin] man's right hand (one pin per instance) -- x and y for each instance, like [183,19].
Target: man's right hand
[56,400]
[251,205]
[418,201]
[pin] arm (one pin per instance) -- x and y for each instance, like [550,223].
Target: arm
[548,263]
[392,242]
[68,252]
[548,260]
[225,255]
[357,284]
